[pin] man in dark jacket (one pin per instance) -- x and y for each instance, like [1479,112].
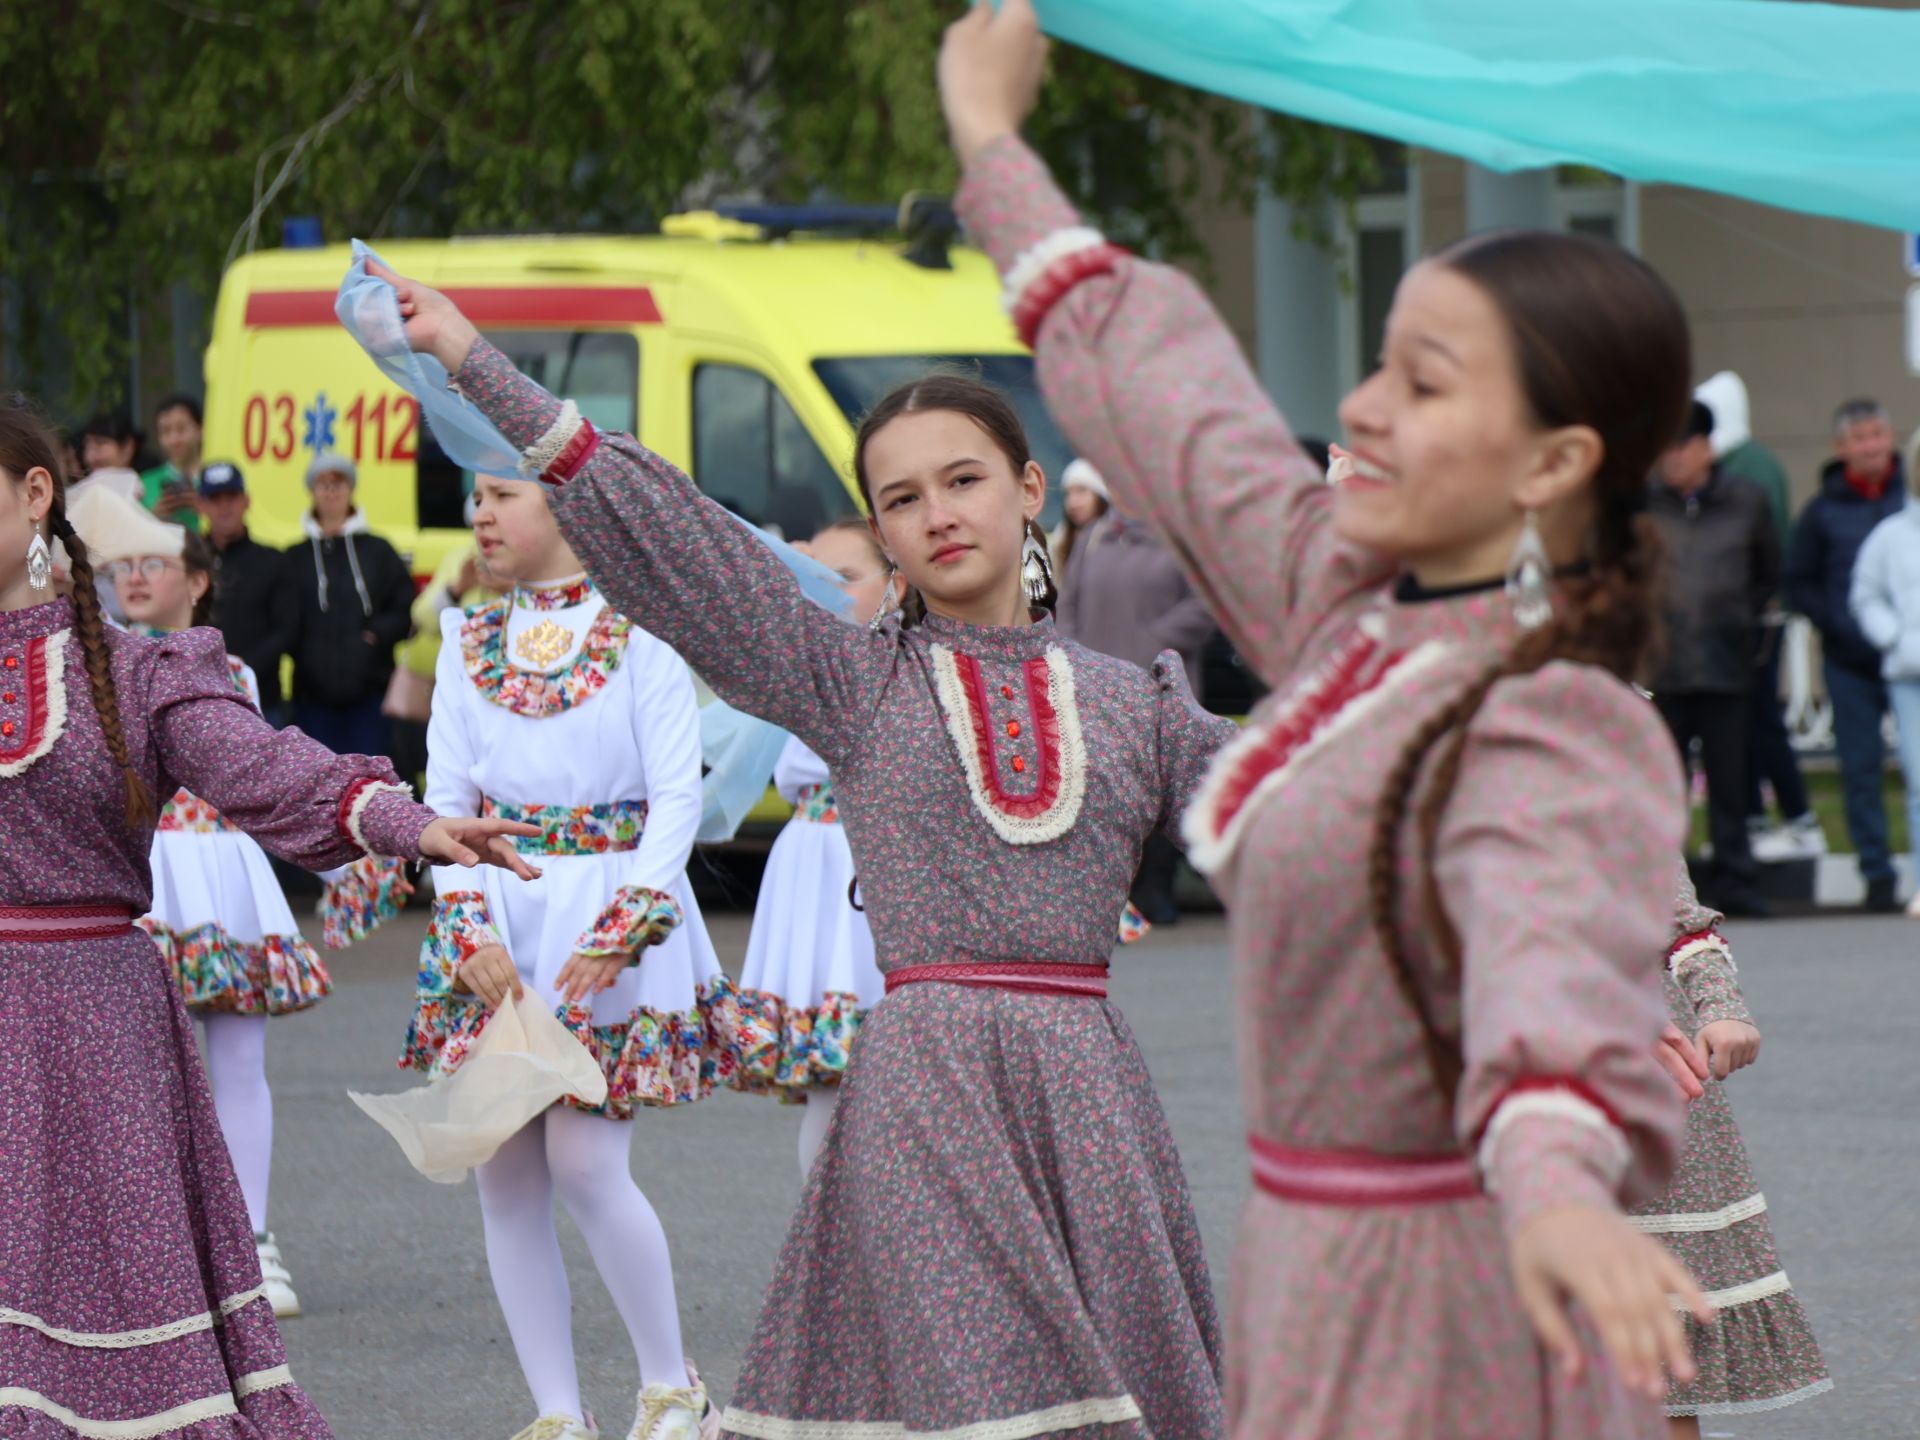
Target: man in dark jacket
[250,605]
[353,601]
[1723,559]
[1862,486]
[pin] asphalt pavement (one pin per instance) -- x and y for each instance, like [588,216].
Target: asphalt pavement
[402,1340]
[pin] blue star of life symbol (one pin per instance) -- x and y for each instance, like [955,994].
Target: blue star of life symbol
[319,418]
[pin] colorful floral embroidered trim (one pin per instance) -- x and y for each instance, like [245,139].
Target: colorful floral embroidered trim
[574,829]
[634,919]
[1060,783]
[369,893]
[815,803]
[1133,925]
[651,1059]
[529,693]
[460,926]
[279,975]
[792,1047]
[187,814]
[559,595]
[1248,771]
[44,687]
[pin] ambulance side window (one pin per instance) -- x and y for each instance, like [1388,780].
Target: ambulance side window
[752,453]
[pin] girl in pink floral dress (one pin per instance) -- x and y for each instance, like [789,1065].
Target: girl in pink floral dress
[219,915]
[130,1294]
[1446,932]
[997,1238]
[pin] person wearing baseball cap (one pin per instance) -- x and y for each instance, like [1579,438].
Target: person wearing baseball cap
[250,605]
[351,598]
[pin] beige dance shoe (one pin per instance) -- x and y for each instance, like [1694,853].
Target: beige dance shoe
[670,1412]
[560,1427]
[275,1280]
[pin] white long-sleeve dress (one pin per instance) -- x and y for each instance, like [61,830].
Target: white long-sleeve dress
[551,708]
[810,971]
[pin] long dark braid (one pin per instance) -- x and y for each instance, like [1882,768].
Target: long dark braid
[1600,341]
[27,444]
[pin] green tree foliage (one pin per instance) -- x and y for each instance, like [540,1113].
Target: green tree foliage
[149,141]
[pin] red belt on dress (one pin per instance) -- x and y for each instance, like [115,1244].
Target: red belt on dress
[63,922]
[1359,1178]
[1029,978]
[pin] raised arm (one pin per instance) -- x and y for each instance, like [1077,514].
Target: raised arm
[1148,383]
[687,571]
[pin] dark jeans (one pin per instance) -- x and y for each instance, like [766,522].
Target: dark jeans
[1859,705]
[1770,754]
[347,729]
[1719,723]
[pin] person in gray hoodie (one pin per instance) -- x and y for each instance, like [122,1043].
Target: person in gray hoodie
[1885,600]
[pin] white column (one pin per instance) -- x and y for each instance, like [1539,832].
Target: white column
[1500,202]
[1297,316]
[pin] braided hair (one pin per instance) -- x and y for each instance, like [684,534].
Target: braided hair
[26,443]
[1599,340]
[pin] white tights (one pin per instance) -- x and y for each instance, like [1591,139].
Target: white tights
[237,1070]
[814,1120]
[584,1159]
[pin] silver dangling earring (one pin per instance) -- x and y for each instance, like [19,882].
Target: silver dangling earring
[1529,571]
[887,606]
[39,563]
[1036,567]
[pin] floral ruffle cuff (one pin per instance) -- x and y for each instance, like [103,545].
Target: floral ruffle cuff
[635,919]
[459,927]
[361,898]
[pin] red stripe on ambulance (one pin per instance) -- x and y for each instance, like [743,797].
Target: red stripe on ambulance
[571,305]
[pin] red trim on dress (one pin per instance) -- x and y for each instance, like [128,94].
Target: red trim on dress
[341,815]
[1031,977]
[1050,287]
[573,455]
[1046,724]
[1358,1178]
[1534,1084]
[35,689]
[1695,938]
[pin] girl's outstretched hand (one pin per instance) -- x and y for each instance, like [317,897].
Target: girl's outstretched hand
[1622,1279]
[434,323]
[1686,1065]
[461,840]
[991,66]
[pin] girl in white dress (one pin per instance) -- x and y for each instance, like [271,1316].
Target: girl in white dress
[219,915]
[549,706]
[810,974]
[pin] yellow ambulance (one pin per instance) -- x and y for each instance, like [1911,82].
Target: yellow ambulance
[743,346]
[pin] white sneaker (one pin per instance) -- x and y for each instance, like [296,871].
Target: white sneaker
[1913,906]
[1799,839]
[672,1413]
[278,1284]
[559,1427]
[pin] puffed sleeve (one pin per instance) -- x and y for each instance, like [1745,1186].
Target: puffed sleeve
[1189,737]
[301,801]
[1701,962]
[1555,863]
[1149,383]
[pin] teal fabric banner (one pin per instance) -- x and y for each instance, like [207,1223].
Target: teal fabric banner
[1805,106]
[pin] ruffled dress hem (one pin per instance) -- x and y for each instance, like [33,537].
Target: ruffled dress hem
[361,899]
[216,973]
[791,1049]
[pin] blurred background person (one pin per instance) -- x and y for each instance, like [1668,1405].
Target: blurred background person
[1861,486]
[1886,605]
[351,597]
[170,485]
[1123,593]
[1084,500]
[1723,558]
[1771,759]
[251,606]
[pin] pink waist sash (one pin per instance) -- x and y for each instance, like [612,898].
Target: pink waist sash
[63,922]
[1358,1178]
[1033,979]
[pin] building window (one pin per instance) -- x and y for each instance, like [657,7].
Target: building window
[752,453]
[1378,243]
[1591,202]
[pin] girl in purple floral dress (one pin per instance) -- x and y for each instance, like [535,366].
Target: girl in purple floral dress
[997,1239]
[1446,841]
[130,1294]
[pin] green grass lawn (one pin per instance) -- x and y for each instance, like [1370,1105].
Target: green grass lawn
[1823,790]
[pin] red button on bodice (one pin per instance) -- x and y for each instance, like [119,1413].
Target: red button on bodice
[1006,690]
[8,698]
[1013,729]
[1019,765]
[12,662]
[7,727]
